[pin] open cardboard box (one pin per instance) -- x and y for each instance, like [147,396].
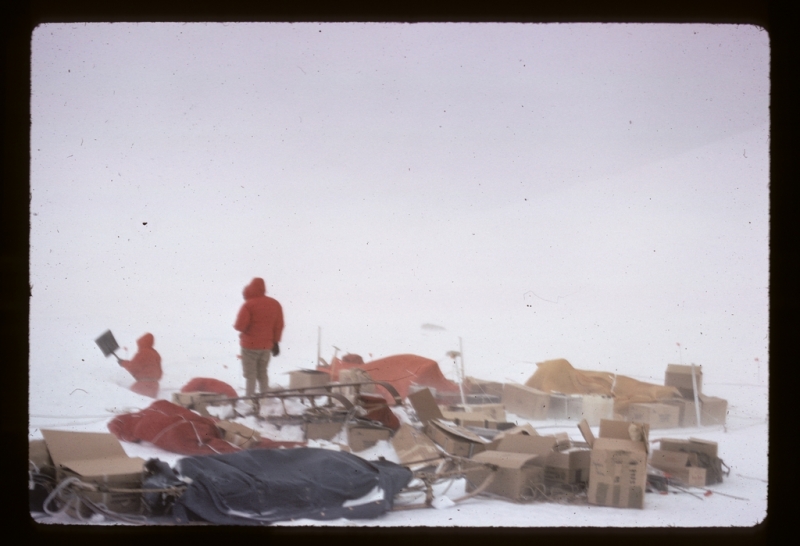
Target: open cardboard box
[425,405]
[705,452]
[454,439]
[526,402]
[618,472]
[681,466]
[517,474]
[525,429]
[98,459]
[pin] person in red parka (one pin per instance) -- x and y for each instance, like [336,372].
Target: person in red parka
[145,367]
[260,321]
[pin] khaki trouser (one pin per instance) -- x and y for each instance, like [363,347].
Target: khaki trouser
[254,366]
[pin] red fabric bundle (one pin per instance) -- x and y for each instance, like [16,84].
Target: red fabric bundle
[177,429]
[208,384]
[401,371]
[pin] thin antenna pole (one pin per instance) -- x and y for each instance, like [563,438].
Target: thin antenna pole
[319,345]
[461,357]
[696,397]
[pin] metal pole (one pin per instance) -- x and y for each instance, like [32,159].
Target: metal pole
[461,357]
[696,398]
[319,345]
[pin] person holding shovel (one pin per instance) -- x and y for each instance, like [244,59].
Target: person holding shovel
[145,367]
[260,323]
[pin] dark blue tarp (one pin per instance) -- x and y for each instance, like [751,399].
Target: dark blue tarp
[262,486]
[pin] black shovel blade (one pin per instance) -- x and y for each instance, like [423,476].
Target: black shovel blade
[107,343]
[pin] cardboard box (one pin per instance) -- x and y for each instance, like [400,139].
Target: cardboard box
[713,410]
[361,437]
[425,405]
[519,429]
[654,414]
[565,406]
[524,443]
[197,401]
[469,419]
[516,477]
[322,430]
[304,379]
[705,453]
[595,407]
[455,440]
[98,459]
[414,448]
[680,377]
[238,434]
[526,402]
[680,466]
[618,471]
[495,412]
[686,412]
[569,467]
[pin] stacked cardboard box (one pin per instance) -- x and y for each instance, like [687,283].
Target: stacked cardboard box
[565,406]
[680,377]
[713,410]
[618,471]
[655,414]
[596,407]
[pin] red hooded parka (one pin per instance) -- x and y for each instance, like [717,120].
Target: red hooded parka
[145,367]
[260,319]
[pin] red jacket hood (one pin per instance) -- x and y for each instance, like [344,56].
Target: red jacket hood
[256,288]
[145,342]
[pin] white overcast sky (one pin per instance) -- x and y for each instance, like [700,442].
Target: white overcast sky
[597,192]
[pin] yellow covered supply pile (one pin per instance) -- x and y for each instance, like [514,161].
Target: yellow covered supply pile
[559,376]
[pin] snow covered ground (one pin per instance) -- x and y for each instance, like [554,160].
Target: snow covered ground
[88,402]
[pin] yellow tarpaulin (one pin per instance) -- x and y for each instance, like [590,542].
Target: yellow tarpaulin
[559,376]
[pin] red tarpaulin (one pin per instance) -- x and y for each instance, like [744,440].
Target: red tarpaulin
[208,384]
[177,429]
[402,371]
